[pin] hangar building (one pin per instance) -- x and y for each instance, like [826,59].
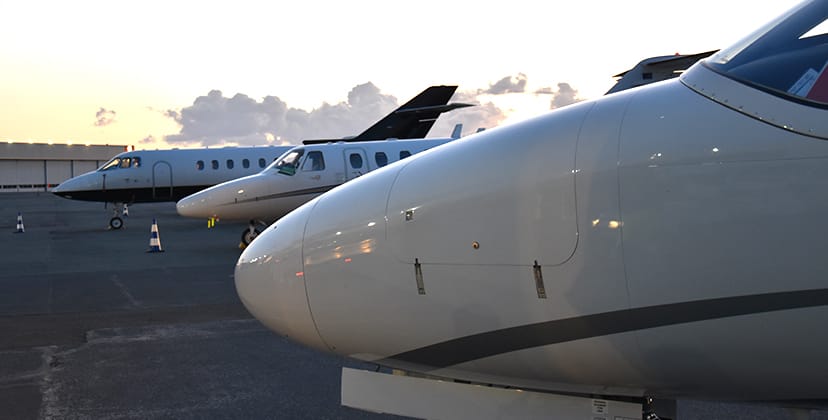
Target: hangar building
[40,166]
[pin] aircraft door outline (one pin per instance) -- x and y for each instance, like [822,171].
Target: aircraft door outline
[356,163]
[159,189]
[313,166]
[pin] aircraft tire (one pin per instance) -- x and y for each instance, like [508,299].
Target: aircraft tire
[247,237]
[116,223]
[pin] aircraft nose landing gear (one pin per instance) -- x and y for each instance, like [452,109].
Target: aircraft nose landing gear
[253,230]
[116,223]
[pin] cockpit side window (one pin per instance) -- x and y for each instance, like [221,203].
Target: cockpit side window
[112,164]
[314,162]
[130,162]
[287,163]
[788,57]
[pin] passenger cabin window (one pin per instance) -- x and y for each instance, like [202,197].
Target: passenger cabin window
[214,164]
[404,154]
[200,165]
[314,162]
[230,164]
[356,160]
[381,159]
[287,163]
[245,163]
[262,162]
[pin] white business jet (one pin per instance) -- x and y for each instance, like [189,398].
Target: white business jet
[666,241]
[144,176]
[271,194]
[169,175]
[296,177]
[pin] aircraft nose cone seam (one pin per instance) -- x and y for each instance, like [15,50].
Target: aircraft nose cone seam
[270,280]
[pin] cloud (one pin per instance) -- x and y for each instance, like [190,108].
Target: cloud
[148,140]
[216,119]
[565,95]
[483,115]
[104,117]
[508,84]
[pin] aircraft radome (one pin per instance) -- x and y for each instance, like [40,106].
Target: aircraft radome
[666,241]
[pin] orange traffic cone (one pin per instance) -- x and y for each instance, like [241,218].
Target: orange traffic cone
[155,240]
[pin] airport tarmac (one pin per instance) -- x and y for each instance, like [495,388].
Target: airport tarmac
[92,326]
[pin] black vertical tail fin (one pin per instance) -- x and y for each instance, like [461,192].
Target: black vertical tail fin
[413,119]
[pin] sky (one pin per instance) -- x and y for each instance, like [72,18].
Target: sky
[157,74]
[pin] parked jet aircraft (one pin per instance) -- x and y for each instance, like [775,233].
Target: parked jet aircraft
[264,198]
[665,241]
[169,175]
[298,176]
[656,69]
[164,175]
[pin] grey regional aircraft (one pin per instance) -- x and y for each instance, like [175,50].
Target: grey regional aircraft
[661,242]
[169,175]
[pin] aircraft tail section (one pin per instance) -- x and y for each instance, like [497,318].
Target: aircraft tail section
[412,120]
[415,118]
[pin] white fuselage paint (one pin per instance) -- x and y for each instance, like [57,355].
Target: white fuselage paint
[166,175]
[272,193]
[679,237]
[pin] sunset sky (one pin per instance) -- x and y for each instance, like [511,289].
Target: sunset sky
[106,72]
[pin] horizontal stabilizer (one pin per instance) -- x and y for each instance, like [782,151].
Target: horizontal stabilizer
[432,109]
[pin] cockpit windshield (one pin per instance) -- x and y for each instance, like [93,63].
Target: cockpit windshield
[287,163]
[787,57]
[122,163]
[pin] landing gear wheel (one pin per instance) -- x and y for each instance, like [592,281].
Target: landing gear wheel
[116,223]
[249,235]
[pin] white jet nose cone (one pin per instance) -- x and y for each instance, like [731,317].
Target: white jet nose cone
[270,279]
[193,205]
[78,185]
